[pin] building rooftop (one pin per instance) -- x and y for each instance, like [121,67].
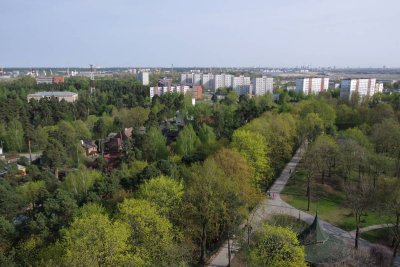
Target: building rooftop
[53,94]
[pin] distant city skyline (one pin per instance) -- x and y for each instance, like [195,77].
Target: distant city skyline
[207,33]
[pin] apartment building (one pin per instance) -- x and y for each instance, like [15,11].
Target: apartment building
[196,91]
[143,77]
[263,85]
[222,81]
[207,81]
[364,87]
[49,79]
[241,85]
[310,86]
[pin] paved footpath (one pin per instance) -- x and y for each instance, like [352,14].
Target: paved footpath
[278,206]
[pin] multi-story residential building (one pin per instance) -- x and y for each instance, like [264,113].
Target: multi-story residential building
[241,85]
[197,77]
[143,77]
[222,81]
[196,91]
[207,81]
[187,78]
[378,88]
[263,85]
[49,79]
[364,87]
[65,95]
[312,85]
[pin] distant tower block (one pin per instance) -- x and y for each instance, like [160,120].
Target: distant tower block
[92,82]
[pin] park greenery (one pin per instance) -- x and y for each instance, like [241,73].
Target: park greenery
[172,193]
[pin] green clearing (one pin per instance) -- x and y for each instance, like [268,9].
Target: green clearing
[328,199]
[287,221]
[378,236]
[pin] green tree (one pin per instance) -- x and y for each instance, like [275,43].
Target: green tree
[94,240]
[253,147]
[166,193]
[325,151]
[187,141]
[30,191]
[151,234]
[80,182]
[155,145]
[14,138]
[276,246]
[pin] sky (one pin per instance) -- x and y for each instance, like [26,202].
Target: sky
[203,33]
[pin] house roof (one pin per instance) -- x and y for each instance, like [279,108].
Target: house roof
[53,94]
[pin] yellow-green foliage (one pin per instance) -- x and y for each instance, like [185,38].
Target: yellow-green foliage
[276,246]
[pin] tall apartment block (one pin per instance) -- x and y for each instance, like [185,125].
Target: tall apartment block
[222,81]
[207,81]
[196,91]
[310,86]
[364,87]
[143,77]
[191,78]
[263,85]
[241,85]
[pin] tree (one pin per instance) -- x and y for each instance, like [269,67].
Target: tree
[206,134]
[325,151]
[390,202]
[166,193]
[151,234]
[309,168]
[14,139]
[310,127]
[187,141]
[54,155]
[276,246]
[30,191]
[359,197]
[205,200]
[80,182]
[155,145]
[94,240]
[253,147]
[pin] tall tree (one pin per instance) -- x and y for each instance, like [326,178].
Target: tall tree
[276,246]
[187,141]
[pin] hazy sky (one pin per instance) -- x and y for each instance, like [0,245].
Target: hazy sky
[48,33]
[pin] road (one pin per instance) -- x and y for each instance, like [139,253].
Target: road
[278,206]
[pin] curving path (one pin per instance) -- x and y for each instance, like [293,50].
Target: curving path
[278,206]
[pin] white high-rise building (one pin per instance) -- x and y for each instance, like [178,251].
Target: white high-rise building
[196,80]
[263,85]
[143,76]
[241,85]
[187,78]
[364,87]
[222,81]
[310,86]
[207,81]
[378,88]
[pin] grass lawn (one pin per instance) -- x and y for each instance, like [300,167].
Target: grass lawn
[379,236]
[287,221]
[328,199]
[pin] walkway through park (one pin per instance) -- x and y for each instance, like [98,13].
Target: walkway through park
[278,206]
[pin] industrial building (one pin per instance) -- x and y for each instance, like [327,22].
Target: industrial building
[49,79]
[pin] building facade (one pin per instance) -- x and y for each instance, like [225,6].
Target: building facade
[222,81]
[49,80]
[207,81]
[143,77]
[364,87]
[67,96]
[196,91]
[310,86]
[241,85]
[263,85]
